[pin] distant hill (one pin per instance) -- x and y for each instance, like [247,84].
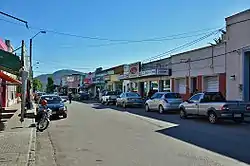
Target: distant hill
[56,76]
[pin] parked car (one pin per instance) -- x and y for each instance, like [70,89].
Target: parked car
[109,97]
[163,102]
[214,106]
[38,95]
[84,96]
[66,98]
[129,99]
[55,103]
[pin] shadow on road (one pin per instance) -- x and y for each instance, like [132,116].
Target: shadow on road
[226,138]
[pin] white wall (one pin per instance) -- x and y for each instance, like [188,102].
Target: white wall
[200,62]
[238,38]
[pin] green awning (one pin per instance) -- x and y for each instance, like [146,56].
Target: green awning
[9,62]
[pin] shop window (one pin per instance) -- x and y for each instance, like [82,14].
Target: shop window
[166,86]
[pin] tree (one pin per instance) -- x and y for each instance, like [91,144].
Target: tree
[37,85]
[50,85]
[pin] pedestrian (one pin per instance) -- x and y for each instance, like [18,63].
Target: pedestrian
[70,97]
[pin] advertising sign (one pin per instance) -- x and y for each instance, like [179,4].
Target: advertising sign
[134,70]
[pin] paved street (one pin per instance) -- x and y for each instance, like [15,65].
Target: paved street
[104,135]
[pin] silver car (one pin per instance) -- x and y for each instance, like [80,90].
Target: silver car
[129,99]
[163,101]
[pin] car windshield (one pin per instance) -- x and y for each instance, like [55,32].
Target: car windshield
[133,95]
[52,99]
[172,96]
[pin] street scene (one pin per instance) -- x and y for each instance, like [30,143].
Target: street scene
[95,89]
[131,136]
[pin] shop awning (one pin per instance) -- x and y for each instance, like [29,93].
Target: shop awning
[9,62]
[8,78]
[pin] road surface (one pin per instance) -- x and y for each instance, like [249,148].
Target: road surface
[96,135]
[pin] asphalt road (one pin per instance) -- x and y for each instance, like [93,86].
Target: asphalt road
[108,136]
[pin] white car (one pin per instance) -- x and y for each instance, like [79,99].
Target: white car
[109,97]
[163,101]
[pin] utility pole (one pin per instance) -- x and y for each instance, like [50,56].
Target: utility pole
[24,75]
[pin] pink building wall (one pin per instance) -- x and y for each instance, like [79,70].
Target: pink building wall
[3,46]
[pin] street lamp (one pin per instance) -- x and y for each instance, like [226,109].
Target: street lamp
[31,39]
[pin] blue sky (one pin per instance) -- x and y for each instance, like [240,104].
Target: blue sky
[111,19]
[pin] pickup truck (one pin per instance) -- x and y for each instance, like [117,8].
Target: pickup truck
[109,97]
[214,106]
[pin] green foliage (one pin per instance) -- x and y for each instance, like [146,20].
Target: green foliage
[50,85]
[37,85]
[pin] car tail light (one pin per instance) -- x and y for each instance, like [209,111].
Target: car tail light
[248,107]
[224,108]
[166,100]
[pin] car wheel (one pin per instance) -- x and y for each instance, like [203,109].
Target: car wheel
[147,108]
[161,109]
[212,117]
[102,101]
[183,114]
[65,115]
[124,105]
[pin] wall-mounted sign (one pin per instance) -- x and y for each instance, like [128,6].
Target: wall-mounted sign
[107,78]
[111,72]
[122,77]
[134,70]
[160,71]
[148,72]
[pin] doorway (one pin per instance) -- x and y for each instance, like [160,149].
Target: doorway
[193,84]
[246,76]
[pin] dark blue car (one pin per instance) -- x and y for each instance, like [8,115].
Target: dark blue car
[56,104]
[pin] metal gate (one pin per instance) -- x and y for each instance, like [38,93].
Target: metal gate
[211,84]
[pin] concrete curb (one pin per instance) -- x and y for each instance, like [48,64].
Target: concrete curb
[31,158]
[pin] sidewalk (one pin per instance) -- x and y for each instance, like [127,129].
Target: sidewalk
[17,141]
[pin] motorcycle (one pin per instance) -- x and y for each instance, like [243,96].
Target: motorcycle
[44,119]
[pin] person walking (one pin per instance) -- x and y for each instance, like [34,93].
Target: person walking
[70,98]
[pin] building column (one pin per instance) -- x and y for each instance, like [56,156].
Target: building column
[114,88]
[160,85]
[172,85]
[199,83]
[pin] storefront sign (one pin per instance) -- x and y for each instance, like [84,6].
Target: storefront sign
[166,72]
[9,62]
[110,72]
[134,70]
[107,77]
[160,71]
[149,72]
[122,77]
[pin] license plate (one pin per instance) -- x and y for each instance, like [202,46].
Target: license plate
[53,112]
[237,115]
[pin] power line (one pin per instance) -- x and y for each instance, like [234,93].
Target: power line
[182,46]
[147,40]
[106,39]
